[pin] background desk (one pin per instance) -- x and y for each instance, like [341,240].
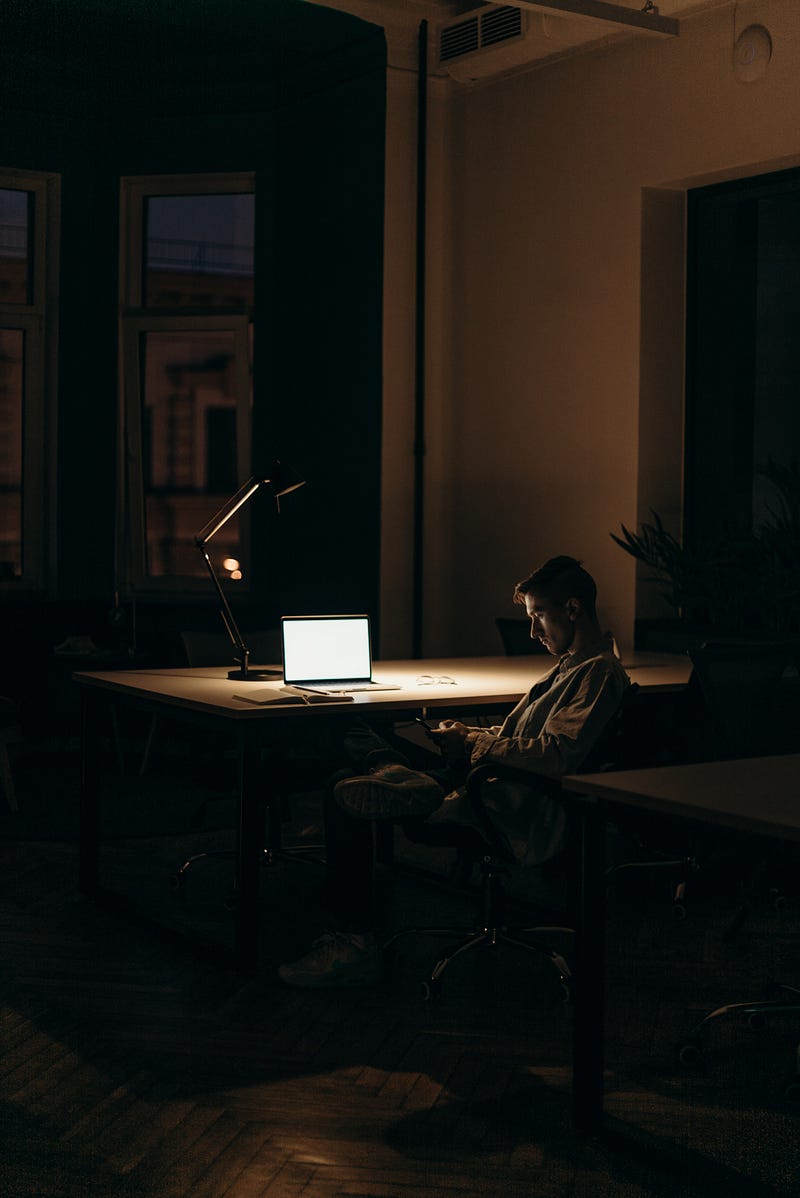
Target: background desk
[758,795]
[208,698]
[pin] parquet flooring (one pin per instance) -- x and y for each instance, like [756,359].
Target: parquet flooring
[134,1066]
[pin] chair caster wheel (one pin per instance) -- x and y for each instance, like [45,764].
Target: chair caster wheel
[431,990]
[756,1021]
[231,901]
[176,883]
[792,1090]
[565,993]
[690,1054]
[679,912]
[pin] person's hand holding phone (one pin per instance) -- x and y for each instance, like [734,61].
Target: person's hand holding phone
[450,737]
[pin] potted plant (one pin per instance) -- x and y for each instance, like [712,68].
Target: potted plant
[743,586]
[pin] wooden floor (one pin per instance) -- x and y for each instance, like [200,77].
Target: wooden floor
[134,1065]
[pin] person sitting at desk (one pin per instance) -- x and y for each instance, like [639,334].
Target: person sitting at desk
[550,731]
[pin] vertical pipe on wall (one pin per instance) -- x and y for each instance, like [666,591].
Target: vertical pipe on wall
[419,372]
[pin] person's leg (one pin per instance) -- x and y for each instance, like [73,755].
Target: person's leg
[369,746]
[347,954]
[349,864]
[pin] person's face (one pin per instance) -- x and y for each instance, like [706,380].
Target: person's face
[551,623]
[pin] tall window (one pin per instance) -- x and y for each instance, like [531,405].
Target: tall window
[28,257]
[187,302]
[743,361]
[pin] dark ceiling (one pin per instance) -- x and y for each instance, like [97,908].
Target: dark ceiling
[282,33]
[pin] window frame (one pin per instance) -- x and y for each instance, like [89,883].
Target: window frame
[37,321]
[135,321]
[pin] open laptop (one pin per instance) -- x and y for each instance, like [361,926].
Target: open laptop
[329,654]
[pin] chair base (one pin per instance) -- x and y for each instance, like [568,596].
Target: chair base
[310,854]
[491,937]
[784,1000]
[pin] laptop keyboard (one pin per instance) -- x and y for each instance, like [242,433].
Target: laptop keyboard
[351,688]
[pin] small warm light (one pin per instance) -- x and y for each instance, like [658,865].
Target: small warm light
[237,574]
[230,563]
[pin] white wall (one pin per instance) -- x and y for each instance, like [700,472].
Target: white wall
[535,286]
[400,346]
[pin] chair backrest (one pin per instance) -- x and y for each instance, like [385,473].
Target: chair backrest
[215,649]
[743,698]
[620,745]
[516,637]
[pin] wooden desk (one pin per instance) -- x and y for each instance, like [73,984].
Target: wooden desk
[758,795]
[208,698]
[475,680]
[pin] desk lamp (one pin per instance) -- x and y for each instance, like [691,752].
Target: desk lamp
[282,479]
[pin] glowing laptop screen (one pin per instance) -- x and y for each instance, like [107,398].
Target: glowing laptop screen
[326,648]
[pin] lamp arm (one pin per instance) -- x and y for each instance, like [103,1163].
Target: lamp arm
[226,613]
[227,510]
[281,480]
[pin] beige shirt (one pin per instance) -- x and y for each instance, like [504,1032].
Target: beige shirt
[554,727]
[551,731]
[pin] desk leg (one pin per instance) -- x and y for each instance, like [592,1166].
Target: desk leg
[249,852]
[589,1012]
[89,861]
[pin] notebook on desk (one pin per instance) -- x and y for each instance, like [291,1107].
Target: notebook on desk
[327,654]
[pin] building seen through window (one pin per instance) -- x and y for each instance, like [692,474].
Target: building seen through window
[24,325]
[189,443]
[14,289]
[11,398]
[199,251]
[15,248]
[187,338]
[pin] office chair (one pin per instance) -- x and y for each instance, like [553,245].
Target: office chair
[275,801]
[214,648]
[741,687]
[743,712]
[731,708]
[201,648]
[496,861]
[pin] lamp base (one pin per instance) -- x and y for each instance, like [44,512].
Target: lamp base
[254,675]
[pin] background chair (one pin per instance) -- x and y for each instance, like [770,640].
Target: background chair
[742,693]
[516,637]
[742,702]
[286,776]
[204,648]
[735,705]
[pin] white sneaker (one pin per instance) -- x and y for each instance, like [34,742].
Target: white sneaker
[336,959]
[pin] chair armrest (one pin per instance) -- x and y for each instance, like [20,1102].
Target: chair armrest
[510,773]
[499,772]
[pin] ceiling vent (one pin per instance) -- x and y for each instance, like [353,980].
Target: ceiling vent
[481,34]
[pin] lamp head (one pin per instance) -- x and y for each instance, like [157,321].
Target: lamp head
[282,479]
